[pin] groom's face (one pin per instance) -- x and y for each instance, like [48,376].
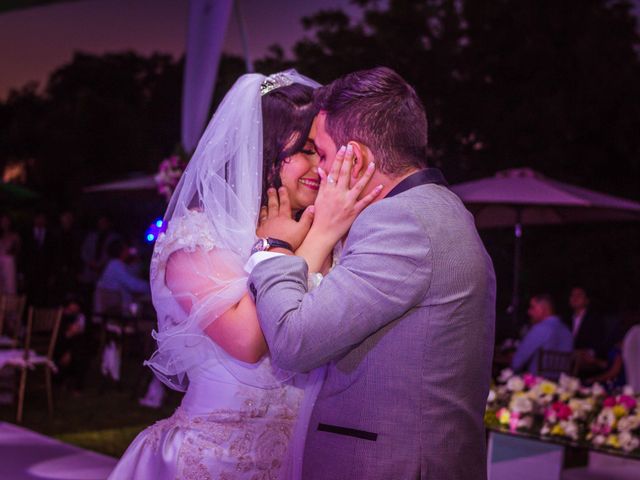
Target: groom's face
[325,146]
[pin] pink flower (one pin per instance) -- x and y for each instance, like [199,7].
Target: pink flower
[609,402]
[627,401]
[600,429]
[530,380]
[550,415]
[513,421]
[563,411]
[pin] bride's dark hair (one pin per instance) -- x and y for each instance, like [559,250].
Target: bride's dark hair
[287,115]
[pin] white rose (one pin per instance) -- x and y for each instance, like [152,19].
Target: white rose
[521,405]
[569,384]
[628,423]
[570,429]
[505,375]
[628,442]
[628,390]
[525,422]
[607,417]
[492,396]
[515,384]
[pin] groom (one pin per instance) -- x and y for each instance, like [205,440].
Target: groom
[405,321]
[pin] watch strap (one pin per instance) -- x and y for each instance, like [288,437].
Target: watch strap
[276,243]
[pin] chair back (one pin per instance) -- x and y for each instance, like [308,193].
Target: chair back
[551,363]
[11,312]
[43,325]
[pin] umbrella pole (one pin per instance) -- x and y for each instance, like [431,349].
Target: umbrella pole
[517,252]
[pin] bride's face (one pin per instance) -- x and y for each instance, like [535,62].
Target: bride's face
[299,175]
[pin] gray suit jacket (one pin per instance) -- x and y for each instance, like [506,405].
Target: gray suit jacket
[406,324]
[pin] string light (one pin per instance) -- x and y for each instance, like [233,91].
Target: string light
[154,230]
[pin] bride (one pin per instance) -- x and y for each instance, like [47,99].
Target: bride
[238,417]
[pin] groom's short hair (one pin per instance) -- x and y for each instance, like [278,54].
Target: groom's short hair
[378,108]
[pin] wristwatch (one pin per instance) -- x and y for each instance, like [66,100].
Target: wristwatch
[267,243]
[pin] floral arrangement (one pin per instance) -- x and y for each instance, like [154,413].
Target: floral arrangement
[169,173]
[617,424]
[565,409]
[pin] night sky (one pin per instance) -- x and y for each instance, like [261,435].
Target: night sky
[35,41]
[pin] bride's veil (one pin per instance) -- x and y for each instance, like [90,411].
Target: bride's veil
[215,204]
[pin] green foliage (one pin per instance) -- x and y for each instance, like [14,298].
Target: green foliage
[112,441]
[506,83]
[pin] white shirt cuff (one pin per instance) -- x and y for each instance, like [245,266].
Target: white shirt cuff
[258,257]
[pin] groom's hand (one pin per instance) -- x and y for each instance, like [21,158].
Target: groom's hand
[276,220]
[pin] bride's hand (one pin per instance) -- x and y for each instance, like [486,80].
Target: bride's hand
[338,204]
[276,219]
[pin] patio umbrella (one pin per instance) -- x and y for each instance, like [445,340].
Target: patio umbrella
[522,196]
[13,194]
[146,182]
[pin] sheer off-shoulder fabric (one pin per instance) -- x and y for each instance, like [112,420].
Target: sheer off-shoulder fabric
[209,280]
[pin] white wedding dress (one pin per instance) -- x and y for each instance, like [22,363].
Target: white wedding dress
[222,430]
[236,420]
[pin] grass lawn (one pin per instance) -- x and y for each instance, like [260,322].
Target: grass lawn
[104,422]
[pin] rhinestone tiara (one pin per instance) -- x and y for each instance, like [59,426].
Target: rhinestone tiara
[274,81]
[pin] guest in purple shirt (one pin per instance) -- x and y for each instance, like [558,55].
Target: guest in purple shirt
[548,332]
[117,276]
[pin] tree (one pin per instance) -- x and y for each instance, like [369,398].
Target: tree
[553,83]
[505,82]
[109,115]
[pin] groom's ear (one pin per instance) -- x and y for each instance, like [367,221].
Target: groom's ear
[360,159]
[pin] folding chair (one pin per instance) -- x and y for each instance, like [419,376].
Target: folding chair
[551,363]
[43,325]
[11,312]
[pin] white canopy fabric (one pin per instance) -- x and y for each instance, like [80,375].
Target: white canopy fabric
[146,182]
[208,20]
[498,201]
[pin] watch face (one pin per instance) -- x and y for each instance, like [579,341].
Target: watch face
[260,246]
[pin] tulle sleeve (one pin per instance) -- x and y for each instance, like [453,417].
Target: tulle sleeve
[202,282]
[194,281]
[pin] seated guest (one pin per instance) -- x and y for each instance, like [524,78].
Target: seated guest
[589,335]
[547,332]
[631,356]
[72,349]
[118,276]
[613,374]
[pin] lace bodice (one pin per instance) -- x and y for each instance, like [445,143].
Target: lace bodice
[206,280]
[188,232]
